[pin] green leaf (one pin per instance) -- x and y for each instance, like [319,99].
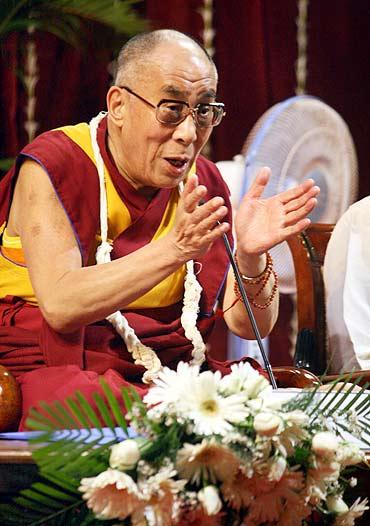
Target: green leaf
[89,411]
[114,405]
[78,414]
[67,18]
[126,399]
[53,492]
[104,411]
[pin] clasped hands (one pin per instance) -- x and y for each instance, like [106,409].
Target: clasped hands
[260,223]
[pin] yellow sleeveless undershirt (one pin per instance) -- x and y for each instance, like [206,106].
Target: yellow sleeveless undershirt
[14,276]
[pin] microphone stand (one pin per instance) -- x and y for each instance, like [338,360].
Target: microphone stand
[246,303]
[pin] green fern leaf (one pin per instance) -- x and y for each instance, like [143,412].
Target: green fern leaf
[104,411]
[114,405]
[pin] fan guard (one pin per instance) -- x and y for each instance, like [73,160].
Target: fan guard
[300,138]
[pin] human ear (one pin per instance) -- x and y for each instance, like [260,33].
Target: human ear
[116,104]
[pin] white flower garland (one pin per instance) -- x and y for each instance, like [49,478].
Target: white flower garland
[142,354]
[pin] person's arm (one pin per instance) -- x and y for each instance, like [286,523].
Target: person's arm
[261,224]
[71,296]
[356,292]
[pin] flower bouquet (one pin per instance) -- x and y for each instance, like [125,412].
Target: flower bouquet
[199,449]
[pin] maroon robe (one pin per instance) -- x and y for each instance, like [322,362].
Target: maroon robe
[50,365]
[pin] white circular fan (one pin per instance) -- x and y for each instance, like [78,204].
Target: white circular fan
[299,138]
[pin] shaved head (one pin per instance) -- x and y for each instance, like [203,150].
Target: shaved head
[137,52]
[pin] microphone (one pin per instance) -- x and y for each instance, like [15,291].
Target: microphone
[248,308]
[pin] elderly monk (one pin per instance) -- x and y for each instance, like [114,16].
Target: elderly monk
[109,262]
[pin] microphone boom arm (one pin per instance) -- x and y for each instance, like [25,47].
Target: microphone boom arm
[248,308]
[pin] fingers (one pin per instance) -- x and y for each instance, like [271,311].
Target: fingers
[296,204]
[193,193]
[208,212]
[259,183]
[302,212]
[198,225]
[307,187]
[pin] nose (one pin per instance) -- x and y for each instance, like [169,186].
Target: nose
[186,131]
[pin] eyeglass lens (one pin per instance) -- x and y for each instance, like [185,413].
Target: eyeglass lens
[205,114]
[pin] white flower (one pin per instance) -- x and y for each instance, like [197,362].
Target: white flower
[325,444]
[170,387]
[210,499]
[208,409]
[336,504]
[245,379]
[292,435]
[325,469]
[208,460]
[277,468]
[296,418]
[349,454]
[355,511]
[267,424]
[160,491]
[111,495]
[124,455]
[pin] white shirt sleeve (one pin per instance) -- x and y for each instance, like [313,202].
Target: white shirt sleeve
[341,353]
[356,294]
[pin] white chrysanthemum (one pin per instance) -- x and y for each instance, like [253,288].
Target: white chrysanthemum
[244,379]
[357,509]
[208,409]
[111,495]
[208,460]
[170,387]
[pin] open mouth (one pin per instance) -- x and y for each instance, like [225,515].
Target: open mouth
[177,163]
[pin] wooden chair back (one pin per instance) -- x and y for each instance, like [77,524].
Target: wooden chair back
[308,252]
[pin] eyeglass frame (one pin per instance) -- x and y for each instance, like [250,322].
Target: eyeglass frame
[192,111]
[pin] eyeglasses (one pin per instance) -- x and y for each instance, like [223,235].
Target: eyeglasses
[170,111]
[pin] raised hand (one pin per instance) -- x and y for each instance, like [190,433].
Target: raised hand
[261,224]
[196,226]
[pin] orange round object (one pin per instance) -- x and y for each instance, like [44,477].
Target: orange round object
[10,401]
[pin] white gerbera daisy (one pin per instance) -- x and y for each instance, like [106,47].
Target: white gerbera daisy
[170,387]
[208,460]
[112,495]
[208,409]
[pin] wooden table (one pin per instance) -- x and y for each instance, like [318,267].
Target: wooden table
[17,468]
